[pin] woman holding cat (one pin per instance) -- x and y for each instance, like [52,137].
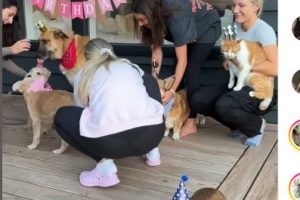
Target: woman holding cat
[118,114]
[236,109]
[10,42]
[193,26]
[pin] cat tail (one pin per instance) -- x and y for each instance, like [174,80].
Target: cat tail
[263,86]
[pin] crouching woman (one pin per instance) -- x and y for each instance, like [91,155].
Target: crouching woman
[118,114]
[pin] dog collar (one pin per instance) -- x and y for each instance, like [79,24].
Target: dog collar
[40,84]
[69,58]
[168,106]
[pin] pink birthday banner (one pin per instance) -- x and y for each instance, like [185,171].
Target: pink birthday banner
[82,9]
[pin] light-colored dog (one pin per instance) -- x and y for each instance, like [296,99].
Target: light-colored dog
[56,44]
[42,105]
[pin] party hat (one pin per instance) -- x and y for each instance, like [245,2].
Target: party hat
[181,193]
[42,26]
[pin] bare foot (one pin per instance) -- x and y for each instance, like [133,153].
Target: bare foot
[189,127]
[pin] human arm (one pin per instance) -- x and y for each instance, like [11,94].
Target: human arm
[270,66]
[18,47]
[181,54]
[265,35]
[10,66]
[6,51]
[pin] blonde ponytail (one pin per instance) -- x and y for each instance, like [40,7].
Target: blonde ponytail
[98,53]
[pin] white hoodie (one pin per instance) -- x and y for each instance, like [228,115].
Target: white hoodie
[118,101]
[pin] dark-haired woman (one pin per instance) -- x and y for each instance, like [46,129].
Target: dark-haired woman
[11,44]
[193,26]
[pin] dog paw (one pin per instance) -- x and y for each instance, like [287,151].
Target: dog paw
[166,133]
[237,88]
[32,146]
[175,137]
[201,120]
[59,151]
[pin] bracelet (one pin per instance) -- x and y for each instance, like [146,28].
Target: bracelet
[172,91]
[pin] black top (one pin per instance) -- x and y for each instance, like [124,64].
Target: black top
[184,26]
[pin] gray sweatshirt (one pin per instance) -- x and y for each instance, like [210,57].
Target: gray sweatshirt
[9,65]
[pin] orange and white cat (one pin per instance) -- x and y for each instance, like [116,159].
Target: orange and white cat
[241,56]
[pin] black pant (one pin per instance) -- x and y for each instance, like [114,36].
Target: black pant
[134,142]
[197,54]
[235,109]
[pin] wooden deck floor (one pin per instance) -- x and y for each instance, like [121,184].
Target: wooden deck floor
[210,158]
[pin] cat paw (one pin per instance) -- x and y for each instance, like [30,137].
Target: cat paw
[264,104]
[230,85]
[237,88]
[251,94]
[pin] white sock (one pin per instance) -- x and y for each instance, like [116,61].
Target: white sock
[107,166]
[154,152]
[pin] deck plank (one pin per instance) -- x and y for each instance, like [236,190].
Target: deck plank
[265,185]
[241,177]
[37,192]
[6,196]
[206,157]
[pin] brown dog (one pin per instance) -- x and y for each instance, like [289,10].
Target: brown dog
[177,115]
[67,47]
[42,105]
[179,111]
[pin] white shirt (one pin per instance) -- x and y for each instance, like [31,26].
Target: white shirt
[118,101]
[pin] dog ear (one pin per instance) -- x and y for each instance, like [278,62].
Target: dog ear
[46,73]
[59,34]
[168,82]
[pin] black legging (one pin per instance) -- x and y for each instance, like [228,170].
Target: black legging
[134,142]
[235,109]
[197,54]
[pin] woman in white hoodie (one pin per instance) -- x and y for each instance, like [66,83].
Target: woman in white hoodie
[118,114]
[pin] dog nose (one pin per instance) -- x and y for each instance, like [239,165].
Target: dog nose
[42,52]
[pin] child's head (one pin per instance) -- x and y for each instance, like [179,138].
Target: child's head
[208,194]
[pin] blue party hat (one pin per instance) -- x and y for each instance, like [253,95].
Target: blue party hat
[181,193]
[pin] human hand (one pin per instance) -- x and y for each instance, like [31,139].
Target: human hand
[208,7]
[20,46]
[167,97]
[225,65]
